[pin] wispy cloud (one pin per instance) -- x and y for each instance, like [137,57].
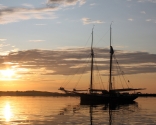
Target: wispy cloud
[130,19]
[148,20]
[65,2]
[36,41]
[59,22]
[152,1]
[89,21]
[121,46]
[28,5]
[82,2]
[143,12]
[3,39]
[16,14]
[9,15]
[40,24]
[92,4]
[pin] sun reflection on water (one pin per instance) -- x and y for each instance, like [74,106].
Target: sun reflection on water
[7,112]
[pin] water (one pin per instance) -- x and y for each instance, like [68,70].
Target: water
[68,111]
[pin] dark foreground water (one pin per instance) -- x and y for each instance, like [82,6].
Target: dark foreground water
[68,111]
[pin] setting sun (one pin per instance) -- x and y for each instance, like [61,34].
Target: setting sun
[7,74]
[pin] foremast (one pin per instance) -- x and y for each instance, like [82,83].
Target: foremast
[111,56]
[92,60]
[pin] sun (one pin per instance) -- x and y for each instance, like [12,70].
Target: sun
[7,74]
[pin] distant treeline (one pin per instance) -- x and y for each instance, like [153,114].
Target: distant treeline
[32,93]
[45,93]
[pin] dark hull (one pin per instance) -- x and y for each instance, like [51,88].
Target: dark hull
[99,99]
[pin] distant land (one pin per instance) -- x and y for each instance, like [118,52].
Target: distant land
[32,93]
[45,93]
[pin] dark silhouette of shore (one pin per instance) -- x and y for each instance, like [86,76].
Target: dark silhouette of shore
[45,93]
[32,93]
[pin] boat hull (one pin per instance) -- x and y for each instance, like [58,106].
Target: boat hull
[99,99]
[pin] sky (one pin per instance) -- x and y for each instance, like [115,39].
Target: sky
[45,44]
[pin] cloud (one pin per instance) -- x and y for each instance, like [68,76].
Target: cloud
[16,14]
[36,41]
[75,60]
[130,19]
[148,20]
[89,21]
[65,3]
[59,22]
[3,39]
[40,24]
[143,12]
[81,2]
[143,1]
[92,4]
[8,15]
[28,5]
[151,1]
[120,46]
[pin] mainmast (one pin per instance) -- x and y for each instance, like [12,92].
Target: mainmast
[111,55]
[92,56]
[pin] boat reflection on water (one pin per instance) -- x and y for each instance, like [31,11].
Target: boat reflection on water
[115,110]
[108,113]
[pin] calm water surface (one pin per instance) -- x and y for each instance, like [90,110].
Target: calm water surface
[68,111]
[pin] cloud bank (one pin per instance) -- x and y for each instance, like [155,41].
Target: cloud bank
[69,61]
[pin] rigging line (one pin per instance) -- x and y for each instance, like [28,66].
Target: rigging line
[130,83]
[103,87]
[88,40]
[102,37]
[121,71]
[111,33]
[99,75]
[113,75]
[118,71]
[73,76]
[119,76]
[78,57]
[81,75]
[127,79]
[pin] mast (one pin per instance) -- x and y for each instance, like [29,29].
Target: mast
[92,56]
[111,55]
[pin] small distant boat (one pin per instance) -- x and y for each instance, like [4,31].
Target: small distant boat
[95,96]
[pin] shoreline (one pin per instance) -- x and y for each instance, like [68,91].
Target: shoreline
[45,93]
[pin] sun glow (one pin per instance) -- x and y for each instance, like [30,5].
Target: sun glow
[7,74]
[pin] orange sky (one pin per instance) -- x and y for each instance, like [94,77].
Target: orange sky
[137,81]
